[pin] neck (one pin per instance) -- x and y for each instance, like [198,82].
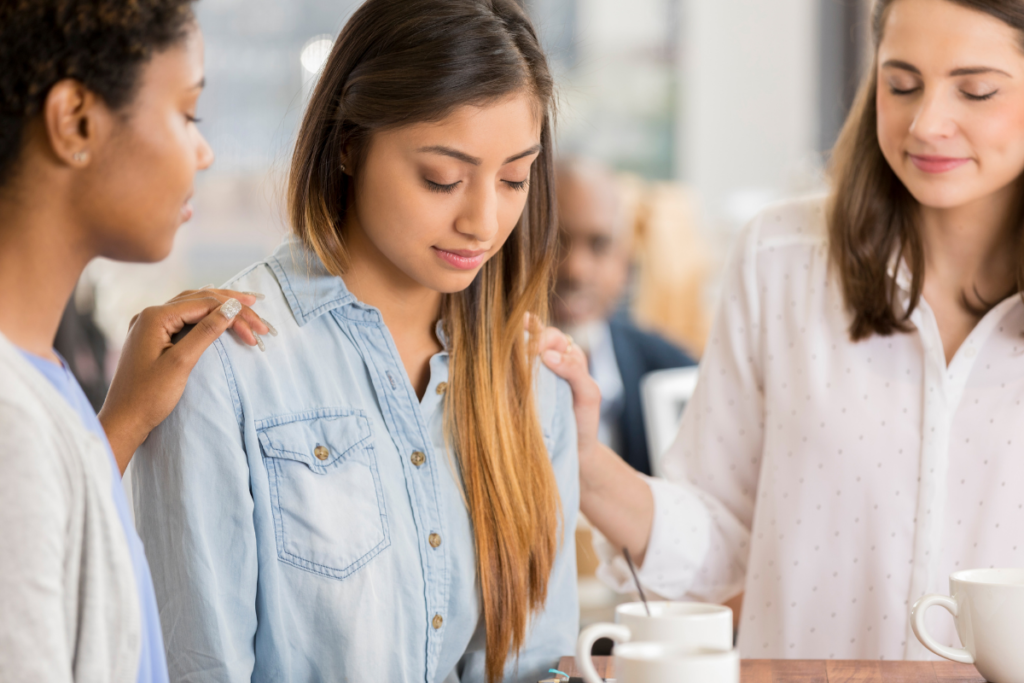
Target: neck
[42,255]
[972,247]
[408,308]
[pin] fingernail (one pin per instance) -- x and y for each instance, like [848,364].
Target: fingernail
[259,342]
[273,331]
[552,357]
[256,295]
[207,287]
[230,308]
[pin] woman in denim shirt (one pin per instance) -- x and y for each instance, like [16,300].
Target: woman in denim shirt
[389,492]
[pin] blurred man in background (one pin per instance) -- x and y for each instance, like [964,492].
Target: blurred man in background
[597,236]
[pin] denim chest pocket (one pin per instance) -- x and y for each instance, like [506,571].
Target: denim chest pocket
[326,496]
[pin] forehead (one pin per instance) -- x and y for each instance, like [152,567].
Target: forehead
[176,68]
[493,131]
[939,35]
[591,206]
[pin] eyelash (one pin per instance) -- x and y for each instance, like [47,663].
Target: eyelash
[192,119]
[973,98]
[448,189]
[442,189]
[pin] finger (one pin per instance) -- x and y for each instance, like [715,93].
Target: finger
[254,321]
[247,298]
[552,339]
[186,353]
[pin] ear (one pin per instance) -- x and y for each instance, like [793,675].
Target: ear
[76,120]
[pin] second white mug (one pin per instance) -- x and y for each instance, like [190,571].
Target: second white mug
[988,608]
[689,625]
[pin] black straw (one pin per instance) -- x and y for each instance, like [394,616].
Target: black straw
[632,569]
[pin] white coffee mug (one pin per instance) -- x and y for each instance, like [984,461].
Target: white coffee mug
[988,608]
[692,625]
[671,663]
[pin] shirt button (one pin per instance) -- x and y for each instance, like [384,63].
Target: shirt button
[418,458]
[435,540]
[321,453]
[441,388]
[437,621]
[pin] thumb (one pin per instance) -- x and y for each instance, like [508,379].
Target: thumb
[206,331]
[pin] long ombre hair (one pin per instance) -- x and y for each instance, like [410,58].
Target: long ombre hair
[399,62]
[872,217]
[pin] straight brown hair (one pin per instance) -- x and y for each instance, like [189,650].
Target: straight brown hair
[872,217]
[399,62]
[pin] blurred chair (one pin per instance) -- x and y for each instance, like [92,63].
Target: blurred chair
[664,395]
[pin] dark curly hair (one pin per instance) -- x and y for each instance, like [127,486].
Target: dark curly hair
[103,44]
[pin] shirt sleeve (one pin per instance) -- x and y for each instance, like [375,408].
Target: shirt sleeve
[34,512]
[552,632]
[194,512]
[703,509]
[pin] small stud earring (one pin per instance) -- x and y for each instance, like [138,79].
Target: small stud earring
[343,168]
[80,156]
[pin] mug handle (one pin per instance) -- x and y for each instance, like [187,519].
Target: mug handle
[618,633]
[917,622]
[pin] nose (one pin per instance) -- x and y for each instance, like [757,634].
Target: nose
[934,119]
[204,154]
[573,267]
[479,217]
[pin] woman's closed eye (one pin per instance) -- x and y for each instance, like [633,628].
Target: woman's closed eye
[519,185]
[978,94]
[441,188]
[903,91]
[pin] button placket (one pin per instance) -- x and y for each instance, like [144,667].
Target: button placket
[404,419]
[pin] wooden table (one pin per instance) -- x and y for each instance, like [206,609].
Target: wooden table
[817,671]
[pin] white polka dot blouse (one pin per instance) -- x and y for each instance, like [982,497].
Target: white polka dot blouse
[835,483]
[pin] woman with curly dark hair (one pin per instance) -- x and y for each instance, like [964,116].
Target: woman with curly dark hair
[98,150]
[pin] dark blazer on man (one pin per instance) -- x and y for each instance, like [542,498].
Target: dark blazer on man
[637,353]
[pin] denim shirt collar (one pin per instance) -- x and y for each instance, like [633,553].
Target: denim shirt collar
[312,291]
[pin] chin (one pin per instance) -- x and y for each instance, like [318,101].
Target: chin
[136,250]
[938,193]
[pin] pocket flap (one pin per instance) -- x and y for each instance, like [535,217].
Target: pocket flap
[317,440]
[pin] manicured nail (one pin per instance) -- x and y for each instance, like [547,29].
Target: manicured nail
[259,342]
[207,287]
[273,331]
[230,308]
[552,357]
[256,295]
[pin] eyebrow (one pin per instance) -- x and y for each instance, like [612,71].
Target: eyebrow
[962,71]
[475,161]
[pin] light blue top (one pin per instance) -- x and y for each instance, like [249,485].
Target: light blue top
[152,667]
[288,524]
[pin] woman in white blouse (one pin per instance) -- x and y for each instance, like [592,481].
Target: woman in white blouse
[857,431]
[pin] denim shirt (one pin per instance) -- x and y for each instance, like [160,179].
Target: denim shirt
[304,518]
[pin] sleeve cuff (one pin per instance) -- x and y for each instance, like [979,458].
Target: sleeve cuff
[676,550]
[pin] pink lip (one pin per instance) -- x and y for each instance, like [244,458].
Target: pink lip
[463,259]
[935,164]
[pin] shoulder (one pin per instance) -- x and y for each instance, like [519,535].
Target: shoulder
[799,221]
[37,447]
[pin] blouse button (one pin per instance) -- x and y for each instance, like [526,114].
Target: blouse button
[441,388]
[435,540]
[418,458]
[437,621]
[321,453]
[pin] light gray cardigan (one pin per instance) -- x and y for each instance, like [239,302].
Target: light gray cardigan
[69,609]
